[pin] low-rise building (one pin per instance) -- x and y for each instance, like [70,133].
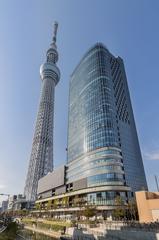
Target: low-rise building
[52,184]
[11,201]
[65,199]
[18,202]
[148,206]
[4,206]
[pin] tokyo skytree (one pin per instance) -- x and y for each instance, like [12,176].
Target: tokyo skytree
[41,160]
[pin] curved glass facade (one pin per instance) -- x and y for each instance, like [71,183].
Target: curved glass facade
[101,161]
[92,122]
[93,148]
[102,142]
[105,198]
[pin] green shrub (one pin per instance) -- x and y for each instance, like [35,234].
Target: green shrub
[54,227]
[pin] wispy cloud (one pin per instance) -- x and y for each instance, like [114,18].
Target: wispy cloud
[154,155]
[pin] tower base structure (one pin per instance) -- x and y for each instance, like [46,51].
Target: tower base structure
[65,200]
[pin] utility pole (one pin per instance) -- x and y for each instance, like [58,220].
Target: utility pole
[156,180]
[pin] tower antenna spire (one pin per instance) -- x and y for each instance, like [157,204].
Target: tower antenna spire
[55,31]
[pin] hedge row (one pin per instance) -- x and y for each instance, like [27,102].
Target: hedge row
[46,226]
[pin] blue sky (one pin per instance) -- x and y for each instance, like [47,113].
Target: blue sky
[129,28]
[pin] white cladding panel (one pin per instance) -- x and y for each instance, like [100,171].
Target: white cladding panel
[52,180]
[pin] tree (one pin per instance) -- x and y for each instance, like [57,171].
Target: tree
[89,212]
[119,212]
[49,205]
[132,210]
[76,200]
[56,203]
[38,206]
[65,201]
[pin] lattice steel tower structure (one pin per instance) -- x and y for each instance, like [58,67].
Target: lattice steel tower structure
[41,160]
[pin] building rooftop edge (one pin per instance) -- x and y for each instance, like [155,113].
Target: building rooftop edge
[97,44]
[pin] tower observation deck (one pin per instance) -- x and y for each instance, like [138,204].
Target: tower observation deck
[41,159]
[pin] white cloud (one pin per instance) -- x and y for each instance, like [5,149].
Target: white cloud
[154,155]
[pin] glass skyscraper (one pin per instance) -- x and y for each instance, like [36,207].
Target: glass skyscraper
[103,147]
